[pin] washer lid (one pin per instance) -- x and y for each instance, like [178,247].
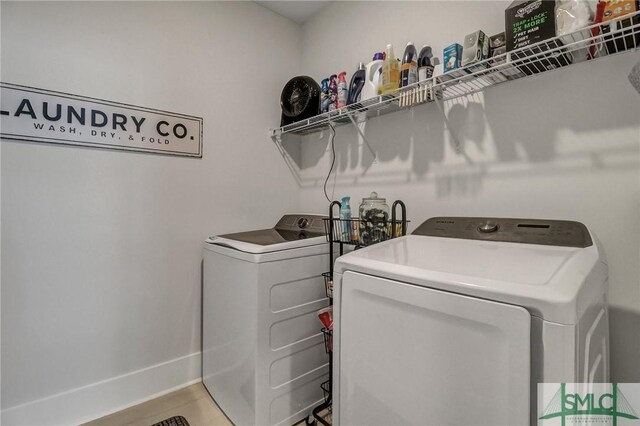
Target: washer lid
[261,241]
[545,279]
[291,231]
[267,237]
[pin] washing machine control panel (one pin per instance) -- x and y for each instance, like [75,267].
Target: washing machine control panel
[309,223]
[527,231]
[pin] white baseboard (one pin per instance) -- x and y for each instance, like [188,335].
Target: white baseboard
[99,399]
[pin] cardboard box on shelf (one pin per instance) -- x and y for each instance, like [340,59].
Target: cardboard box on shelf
[528,22]
[497,45]
[614,10]
[452,56]
[475,48]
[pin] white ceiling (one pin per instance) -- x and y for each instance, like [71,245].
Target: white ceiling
[297,11]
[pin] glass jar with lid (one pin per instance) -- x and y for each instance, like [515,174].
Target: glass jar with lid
[374,217]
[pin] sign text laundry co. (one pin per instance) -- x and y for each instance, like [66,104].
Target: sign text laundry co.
[38,115]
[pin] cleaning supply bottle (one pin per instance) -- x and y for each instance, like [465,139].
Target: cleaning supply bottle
[425,63]
[324,95]
[333,93]
[357,82]
[342,89]
[345,219]
[390,72]
[373,78]
[409,67]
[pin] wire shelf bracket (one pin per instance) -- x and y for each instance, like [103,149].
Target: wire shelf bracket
[364,138]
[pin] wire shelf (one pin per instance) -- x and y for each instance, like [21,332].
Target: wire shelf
[590,43]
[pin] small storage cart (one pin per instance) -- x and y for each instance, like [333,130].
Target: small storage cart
[372,228]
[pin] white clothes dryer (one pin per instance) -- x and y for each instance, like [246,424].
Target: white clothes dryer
[457,323]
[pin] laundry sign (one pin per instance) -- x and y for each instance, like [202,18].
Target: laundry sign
[38,115]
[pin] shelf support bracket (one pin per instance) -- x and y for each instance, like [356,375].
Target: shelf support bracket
[364,138]
[291,164]
[456,141]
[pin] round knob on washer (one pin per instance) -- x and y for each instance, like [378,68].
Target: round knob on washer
[488,227]
[303,222]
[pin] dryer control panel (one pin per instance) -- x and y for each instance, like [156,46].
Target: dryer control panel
[527,231]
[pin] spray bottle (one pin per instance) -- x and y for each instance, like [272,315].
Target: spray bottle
[345,219]
[333,93]
[342,89]
[324,95]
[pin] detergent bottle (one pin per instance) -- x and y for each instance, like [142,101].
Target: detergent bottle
[373,78]
[390,72]
[357,82]
[425,63]
[409,68]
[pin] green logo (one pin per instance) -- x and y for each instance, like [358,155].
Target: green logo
[612,404]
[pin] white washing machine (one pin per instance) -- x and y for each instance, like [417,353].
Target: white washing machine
[263,353]
[458,322]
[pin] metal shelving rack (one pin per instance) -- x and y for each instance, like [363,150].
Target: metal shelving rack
[335,231]
[594,42]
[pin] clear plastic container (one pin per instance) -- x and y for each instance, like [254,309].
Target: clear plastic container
[390,72]
[374,217]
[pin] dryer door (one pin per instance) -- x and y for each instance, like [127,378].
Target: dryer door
[411,355]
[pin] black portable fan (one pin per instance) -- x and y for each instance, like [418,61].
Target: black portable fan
[300,99]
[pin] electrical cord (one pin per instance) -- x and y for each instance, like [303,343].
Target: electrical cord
[333,161]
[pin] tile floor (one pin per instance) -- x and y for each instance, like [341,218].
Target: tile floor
[192,402]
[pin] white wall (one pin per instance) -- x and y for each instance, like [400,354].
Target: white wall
[101,249]
[564,145]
